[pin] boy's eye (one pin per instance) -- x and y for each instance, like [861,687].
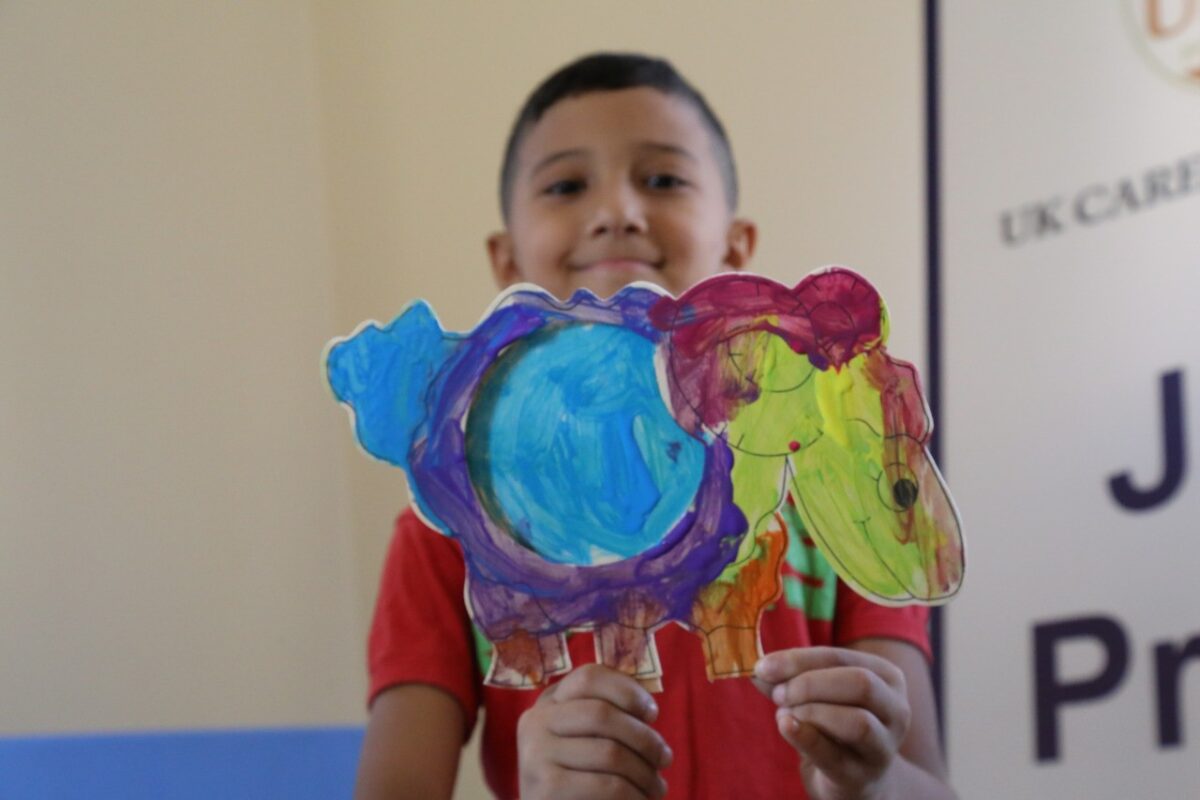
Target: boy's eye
[664,181]
[566,187]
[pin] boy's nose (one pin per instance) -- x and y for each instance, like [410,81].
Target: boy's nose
[618,212]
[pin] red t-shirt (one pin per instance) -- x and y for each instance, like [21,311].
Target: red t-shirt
[722,733]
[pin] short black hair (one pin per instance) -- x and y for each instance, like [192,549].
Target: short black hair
[608,72]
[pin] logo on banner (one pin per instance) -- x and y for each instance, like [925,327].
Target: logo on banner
[1168,34]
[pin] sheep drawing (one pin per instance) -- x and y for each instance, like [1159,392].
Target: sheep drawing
[619,464]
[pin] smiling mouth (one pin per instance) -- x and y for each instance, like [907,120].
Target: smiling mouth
[618,265]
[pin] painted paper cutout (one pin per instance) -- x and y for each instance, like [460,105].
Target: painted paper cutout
[620,464]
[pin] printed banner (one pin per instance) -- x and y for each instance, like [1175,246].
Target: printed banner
[1070,195]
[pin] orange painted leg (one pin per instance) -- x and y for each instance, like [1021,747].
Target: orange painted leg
[726,612]
[731,651]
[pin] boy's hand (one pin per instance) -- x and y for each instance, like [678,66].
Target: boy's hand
[845,711]
[589,736]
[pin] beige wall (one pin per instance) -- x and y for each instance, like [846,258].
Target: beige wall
[173,542]
[196,195]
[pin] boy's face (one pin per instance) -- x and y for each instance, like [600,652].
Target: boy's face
[614,187]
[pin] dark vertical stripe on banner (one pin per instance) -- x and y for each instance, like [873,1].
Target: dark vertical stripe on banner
[933,304]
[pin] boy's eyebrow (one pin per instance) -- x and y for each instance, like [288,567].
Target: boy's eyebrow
[555,157]
[664,147]
[667,147]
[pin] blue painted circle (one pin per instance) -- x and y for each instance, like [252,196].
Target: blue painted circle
[572,449]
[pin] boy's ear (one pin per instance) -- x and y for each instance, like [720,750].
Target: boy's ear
[741,241]
[504,265]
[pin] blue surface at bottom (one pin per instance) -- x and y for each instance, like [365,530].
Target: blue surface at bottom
[296,763]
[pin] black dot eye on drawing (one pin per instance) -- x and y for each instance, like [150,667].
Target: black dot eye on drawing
[898,487]
[904,493]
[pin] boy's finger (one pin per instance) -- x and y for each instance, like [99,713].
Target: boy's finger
[816,749]
[786,664]
[592,718]
[606,757]
[765,687]
[855,729]
[600,682]
[846,686]
[569,784]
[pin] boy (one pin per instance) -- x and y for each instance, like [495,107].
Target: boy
[616,170]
